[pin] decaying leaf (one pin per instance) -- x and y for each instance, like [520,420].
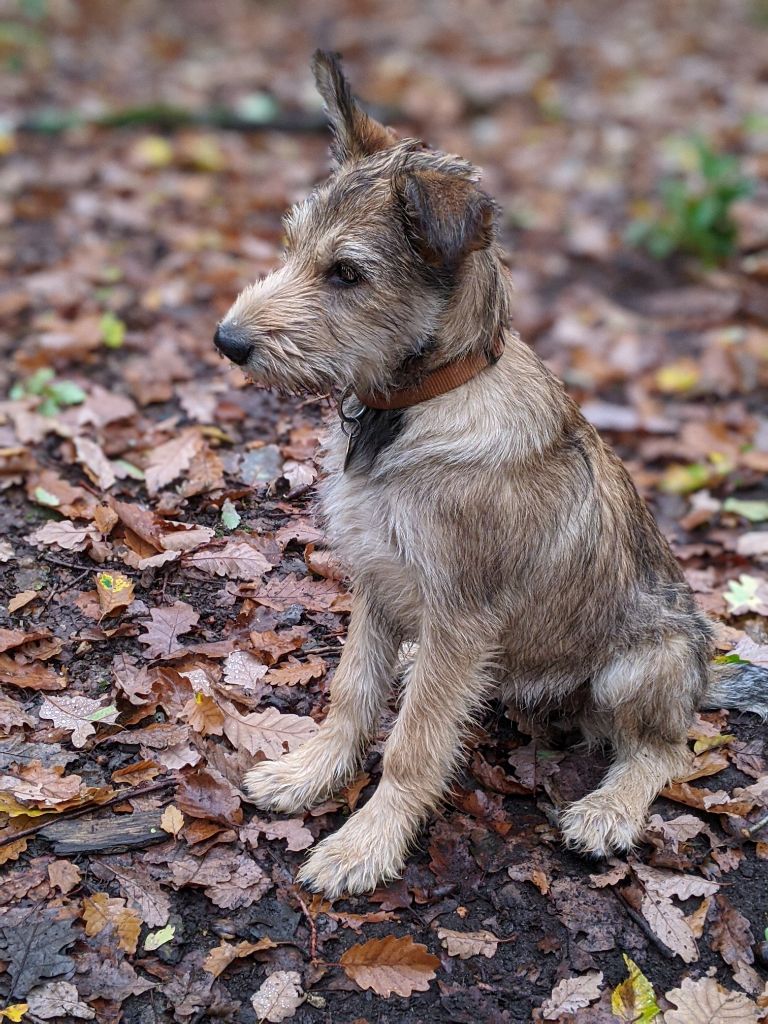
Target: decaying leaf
[633,999]
[167,625]
[392,964]
[100,910]
[115,592]
[268,732]
[704,1001]
[467,944]
[572,994]
[279,996]
[77,714]
[33,949]
[58,999]
[221,956]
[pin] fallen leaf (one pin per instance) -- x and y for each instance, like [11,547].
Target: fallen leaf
[33,948]
[65,535]
[167,625]
[101,910]
[169,460]
[392,964]
[268,732]
[298,837]
[159,938]
[634,999]
[95,463]
[172,820]
[77,715]
[731,933]
[704,1001]
[467,944]
[115,592]
[279,996]
[64,875]
[572,994]
[749,594]
[221,956]
[58,999]
[236,559]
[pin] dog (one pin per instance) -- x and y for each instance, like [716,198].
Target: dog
[478,513]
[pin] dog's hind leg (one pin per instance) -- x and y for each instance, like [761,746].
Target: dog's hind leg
[446,684]
[644,702]
[359,690]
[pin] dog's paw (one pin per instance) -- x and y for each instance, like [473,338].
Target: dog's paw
[601,824]
[353,860]
[285,786]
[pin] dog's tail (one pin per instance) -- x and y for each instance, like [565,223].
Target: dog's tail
[739,685]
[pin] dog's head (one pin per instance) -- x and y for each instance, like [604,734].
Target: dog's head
[372,259]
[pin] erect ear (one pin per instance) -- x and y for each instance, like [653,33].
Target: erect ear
[356,135]
[446,216]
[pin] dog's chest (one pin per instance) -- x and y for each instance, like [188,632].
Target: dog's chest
[366,531]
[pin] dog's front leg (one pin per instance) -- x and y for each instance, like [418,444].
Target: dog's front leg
[359,690]
[444,687]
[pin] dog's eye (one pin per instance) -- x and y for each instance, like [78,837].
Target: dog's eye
[345,274]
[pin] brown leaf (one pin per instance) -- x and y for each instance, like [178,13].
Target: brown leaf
[172,820]
[731,933]
[704,1001]
[168,624]
[169,460]
[236,559]
[64,535]
[115,592]
[467,944]
[64,875]
[22,599]
[75,714]
[204,793]
[41,787]
[56,1000]
[392,964]
[100,910]
[221,956]
[268,732]
[293,672]
[204,715]
[279,996]
[95,463]
[572,994]
[298,837]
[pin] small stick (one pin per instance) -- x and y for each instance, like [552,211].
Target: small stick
[644,927]
[312,928]
[751,832]
[78,812]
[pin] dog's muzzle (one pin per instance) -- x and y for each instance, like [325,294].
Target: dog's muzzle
[232,343]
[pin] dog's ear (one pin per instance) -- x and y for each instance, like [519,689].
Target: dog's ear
[356,135]
[446,216]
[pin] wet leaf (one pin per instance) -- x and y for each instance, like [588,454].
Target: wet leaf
[634,999]
[279,996]
[704,1001]
[392,964]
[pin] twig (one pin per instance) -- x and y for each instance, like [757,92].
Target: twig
[77,812]
[751,832]
[312,928]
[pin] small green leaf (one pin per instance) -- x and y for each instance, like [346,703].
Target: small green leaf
[37,383]
[102,713]
[754,511]
[66,392]
[112,330]
[230,517]
[43,497]
[160,937]
[129,469]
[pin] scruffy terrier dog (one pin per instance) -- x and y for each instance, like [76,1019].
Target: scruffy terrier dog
[477,511]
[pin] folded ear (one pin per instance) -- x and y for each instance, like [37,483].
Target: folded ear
[446,216]
[356,135]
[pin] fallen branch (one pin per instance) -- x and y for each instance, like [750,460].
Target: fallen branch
[77,812]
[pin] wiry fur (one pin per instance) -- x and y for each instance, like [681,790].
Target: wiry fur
[491,524]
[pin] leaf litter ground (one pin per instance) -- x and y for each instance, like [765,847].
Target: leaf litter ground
[169,610]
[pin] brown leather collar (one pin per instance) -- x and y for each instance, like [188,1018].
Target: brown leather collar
[438,382]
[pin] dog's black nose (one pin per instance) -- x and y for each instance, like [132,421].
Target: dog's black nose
[232,343]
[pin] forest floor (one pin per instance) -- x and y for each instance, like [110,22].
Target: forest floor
[169,612]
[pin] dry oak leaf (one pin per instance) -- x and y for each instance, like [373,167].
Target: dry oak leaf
[172,820]
[204,793]
[168,624]
[65,535]
[12,851]
[64,875]
[392,964]
[572,994]
[30,677]
[101,910]
[77,715]
[279,996]
[666,919]
[294,672]
[704,1001]
[168,461]
[115,592]
[220,957]
[467,944]
[268,732]
[95,463]
[731,933]
[243,670]
[204,715]
[45,787]
[58,999]
[236,559]
[298,837]
[145,894]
